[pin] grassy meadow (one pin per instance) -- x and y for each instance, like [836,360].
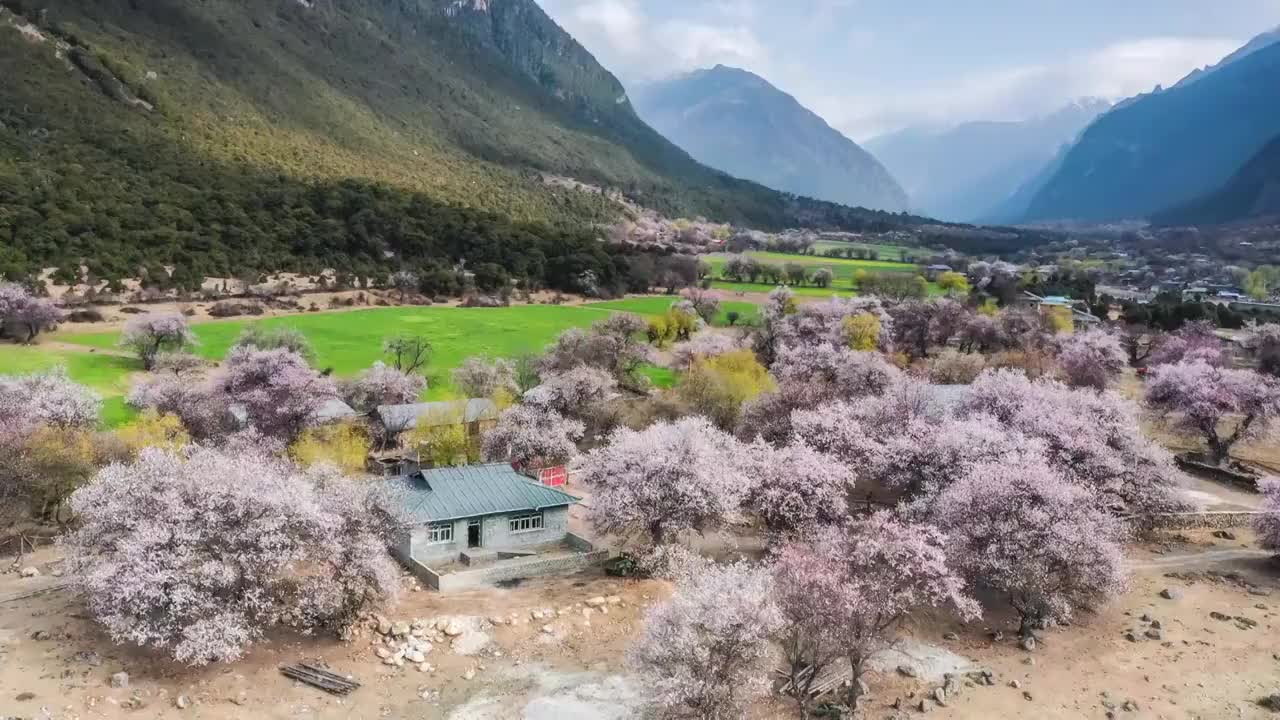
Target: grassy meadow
[747,312]
[347,342]
[842,268]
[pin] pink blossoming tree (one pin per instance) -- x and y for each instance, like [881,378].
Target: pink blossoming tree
[571,393]
[198,555]
[664,480]
[843,592]
[529,436]
[277,390]
[705,652]
[1093,439]
[1224,407]
[480,377]
[1092,359]
[1024,531]
[796,488]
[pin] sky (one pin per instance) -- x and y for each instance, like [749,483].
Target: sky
[873,66]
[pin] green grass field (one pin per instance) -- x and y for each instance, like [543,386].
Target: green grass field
[885,252]
[747,312]
[107,374]
[349,342]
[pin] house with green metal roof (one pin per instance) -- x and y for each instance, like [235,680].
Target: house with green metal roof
[476,511]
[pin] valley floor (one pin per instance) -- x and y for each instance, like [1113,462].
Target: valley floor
[570,665]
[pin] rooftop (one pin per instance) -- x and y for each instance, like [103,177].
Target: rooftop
[471,491]
[405,417]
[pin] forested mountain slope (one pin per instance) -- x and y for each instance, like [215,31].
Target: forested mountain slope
[362,133]
[1252,192]
[1168,147]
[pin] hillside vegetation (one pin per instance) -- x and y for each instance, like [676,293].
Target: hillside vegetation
[230,134]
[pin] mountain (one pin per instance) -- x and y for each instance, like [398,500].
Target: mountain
[963,172]
[1170,146]
[225,134]
[736,121]
[1260,42]
[1253,192]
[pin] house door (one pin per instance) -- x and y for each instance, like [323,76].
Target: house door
[473,534]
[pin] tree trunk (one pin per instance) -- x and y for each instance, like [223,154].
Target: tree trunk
[855,682]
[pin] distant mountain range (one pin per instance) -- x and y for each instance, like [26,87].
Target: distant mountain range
[737,122]
[967,171]
[1168,148]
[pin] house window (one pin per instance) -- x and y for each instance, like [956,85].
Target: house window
[526,523]
[439,533]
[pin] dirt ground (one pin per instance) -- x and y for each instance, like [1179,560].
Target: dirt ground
[54,663]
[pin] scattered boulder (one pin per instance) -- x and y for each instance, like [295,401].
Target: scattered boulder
[1271,702]
[1171,594]
[950,636]
[25,696]
[30,571]
[181,702]
[595,602]
[1224,534]
[120,680]
[453,629]
[940,696]
[907,671]
[1155,633]
[1219,616]
[1028,643]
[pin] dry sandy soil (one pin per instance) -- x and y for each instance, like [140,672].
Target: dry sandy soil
[54,663]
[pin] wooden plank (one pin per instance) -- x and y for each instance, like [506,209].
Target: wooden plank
[34,593]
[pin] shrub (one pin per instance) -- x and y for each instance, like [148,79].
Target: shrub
[951,367]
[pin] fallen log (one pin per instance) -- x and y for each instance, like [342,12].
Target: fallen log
[319,678]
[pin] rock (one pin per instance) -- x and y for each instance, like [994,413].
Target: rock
[400,629]
[950,636]
[181,702]
[1260,592]
[1028,643]
[40,635]
[1129,706]
[1015,684]
[1131,636]
[536,614]
[383,653]
[923,706]
[548,629]
[1155,633]
[25,696]
[391,660]
[469,675]
[1171,594]
[906,671]
[613,600]
[30,571]
[416,657]
[1271,702]
[1156,624]
[453,629]
[120,680]
[1224,534]
[940,696]
[597,601]
[1245,623]
[1145,618]
[1219,616]
[426,667]
[384,625]
[1029,661]
[951,684]
[1027,696]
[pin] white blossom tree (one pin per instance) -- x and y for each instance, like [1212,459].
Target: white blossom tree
[383,385]
[198,555]
[49,398]
[705,652]
[843,592]
[796,488]
[664,480]
[1092,359]
[149,335]
[1224,407]
[1024,531]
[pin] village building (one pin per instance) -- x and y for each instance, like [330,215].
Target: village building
[484,523]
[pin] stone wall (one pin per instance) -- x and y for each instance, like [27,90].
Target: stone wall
[1210,519]
[585,556]
[495,534]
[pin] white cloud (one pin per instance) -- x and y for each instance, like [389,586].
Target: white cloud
[1113,72]
[638,47]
